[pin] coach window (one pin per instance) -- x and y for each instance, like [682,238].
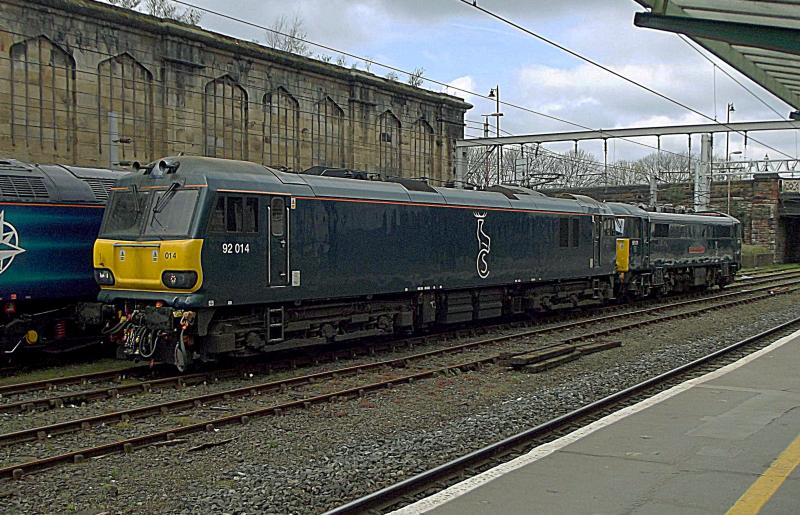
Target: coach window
[563,232]
[278,209]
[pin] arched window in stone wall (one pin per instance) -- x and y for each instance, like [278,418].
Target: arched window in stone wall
[124,110]
[389,162]
[281,130]
[327,134]
[225,119]
[422,149]
[42,98]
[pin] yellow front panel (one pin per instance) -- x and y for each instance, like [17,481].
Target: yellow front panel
[623,254]
[138,265]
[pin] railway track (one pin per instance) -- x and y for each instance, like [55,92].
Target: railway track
[122,388]
[438,478]
[362,384]
[117,375]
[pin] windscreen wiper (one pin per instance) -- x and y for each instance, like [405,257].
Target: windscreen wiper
[135,191]
[166,197]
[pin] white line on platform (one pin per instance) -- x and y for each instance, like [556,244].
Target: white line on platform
[466,486]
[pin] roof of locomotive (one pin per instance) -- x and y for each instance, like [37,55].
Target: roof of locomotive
[709,218]
[706,217]
[243,176]
[27,182]
[620,208]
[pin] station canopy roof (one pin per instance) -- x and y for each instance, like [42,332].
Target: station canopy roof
[760,38]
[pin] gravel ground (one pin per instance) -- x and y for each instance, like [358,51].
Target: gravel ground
[308,461]
[153,423]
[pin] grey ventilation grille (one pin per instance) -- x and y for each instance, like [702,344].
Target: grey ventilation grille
[27,188]
[100,187]
[9,165]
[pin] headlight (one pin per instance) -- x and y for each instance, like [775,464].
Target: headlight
[179,280]
[103,276]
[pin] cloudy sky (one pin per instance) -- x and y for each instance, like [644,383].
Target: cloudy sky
[459,45]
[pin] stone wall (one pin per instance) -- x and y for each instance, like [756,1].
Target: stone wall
[91,84]
[755,203]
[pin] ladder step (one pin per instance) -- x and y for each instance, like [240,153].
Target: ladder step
[276,318]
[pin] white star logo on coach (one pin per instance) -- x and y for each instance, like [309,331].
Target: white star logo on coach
[9,243]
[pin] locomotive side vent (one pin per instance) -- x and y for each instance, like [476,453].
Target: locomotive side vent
[100,187]
[18,187]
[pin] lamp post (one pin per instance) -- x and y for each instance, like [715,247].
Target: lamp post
[495,94]
[730,109]
[728,168]
[486,157]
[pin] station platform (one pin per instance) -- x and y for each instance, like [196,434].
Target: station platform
[727,442]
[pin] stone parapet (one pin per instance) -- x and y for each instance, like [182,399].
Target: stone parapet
[91,84]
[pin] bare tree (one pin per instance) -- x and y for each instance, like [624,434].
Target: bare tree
[126,4]
[392,75]
[667,167]
[162,9]
[535,167]
[624,173]
[415,77]
[479,170]
[289,35]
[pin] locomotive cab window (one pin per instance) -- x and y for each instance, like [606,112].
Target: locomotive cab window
[633,229]
[609,227]
[218,216]
[619,227]
[568,232]
[235,215]
[722,231]
[661,230]
[172,213]
[278,214]
[123,217]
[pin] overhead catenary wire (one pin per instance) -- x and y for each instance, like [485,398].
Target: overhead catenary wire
[400,70]
[734,79]
[577,55]
[402,128]
[581,161]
